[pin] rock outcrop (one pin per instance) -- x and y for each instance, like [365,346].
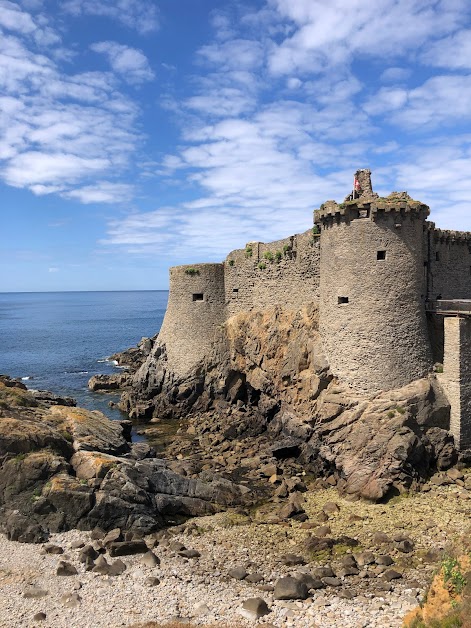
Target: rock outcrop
[63,467]
[266,384]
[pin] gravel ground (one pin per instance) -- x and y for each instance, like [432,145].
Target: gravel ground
[226,540]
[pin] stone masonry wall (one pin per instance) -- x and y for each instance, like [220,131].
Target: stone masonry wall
[449,264]
[290,277]
[196,306]
[377,340]
[456,377]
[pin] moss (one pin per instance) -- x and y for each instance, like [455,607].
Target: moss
[192,271]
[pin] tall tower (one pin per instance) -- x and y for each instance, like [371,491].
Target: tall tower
[372,288]
[195,309]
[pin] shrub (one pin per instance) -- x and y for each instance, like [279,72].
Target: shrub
[268,255]
[452,574]
[316,230]
[231,262]
[262,266]
[248,251]
[286,248]
[192,271]
[278,256]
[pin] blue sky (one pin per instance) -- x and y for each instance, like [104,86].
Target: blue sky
[137,134]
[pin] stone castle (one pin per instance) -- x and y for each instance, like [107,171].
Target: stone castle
[390,287]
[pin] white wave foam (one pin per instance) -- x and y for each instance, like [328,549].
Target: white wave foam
[25,379]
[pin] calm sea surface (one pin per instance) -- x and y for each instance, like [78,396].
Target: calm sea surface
[60,339]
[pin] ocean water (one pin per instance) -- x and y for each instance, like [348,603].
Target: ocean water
[58,340]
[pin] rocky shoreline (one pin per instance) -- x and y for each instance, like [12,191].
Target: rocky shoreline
[357,565]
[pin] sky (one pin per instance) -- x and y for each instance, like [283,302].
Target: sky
[141,134]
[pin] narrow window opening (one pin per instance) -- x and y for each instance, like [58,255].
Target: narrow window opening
[381,255]
[342,300]
[198,296]
[364,213]
[235,289]
[437,256]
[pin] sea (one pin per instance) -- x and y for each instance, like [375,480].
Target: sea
[57,340]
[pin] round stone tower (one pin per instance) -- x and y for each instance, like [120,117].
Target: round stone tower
[372,288]
[196,306]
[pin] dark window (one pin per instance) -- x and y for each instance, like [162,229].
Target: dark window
[235,289]
[342,300]
[381,255]
[437,256]
[198,296]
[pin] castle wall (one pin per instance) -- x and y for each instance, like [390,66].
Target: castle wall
[449,264]
[196,306]
[283,272]
[377,340]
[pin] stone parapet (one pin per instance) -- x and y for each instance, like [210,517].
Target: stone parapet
[351,210]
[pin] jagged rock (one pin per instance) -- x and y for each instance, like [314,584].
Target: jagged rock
[116,381]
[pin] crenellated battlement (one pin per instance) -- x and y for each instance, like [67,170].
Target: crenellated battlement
[448,235]
[355,209]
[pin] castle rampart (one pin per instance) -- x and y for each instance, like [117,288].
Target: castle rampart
[371,265]
[449,260]
[266,274]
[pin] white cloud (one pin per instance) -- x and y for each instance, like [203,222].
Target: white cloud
[132,64]
[440,100]
[141,15]
[395,75]
[61,131]
[13,18]
[102,192]
[329,34]
[451,52]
